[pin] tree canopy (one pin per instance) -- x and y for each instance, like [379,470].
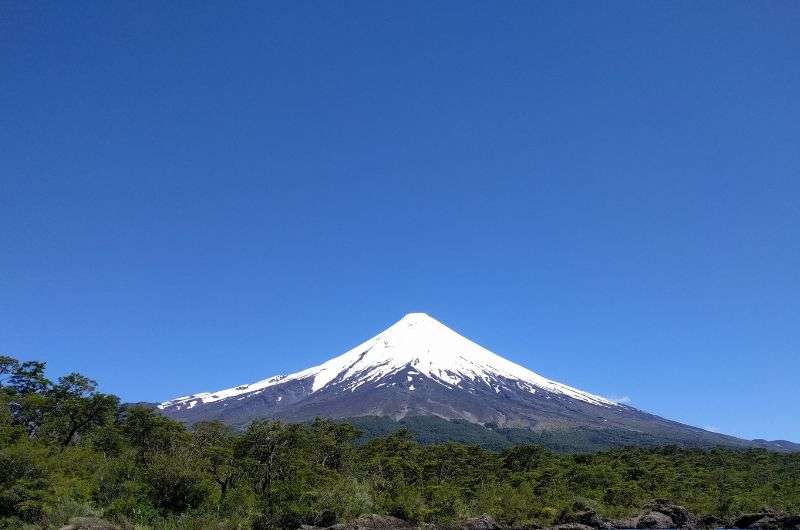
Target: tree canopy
[67,449]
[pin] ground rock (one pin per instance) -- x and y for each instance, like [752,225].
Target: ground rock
[767,523]
[791,521]
[89,523]
[585,516]
[709,521]
[767,520]
[571,526]
[484,522]
[654,519]
[378,522]
[659,514]
[680,516]
[631,522]
[747,519]
[763,519]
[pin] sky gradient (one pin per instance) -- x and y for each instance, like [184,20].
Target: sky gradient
[194,197]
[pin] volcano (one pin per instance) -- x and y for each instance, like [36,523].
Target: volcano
[420,367]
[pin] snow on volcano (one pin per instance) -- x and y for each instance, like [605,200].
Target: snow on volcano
[418,344]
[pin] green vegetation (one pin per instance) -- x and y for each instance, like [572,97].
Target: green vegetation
[67,450]
[433,430]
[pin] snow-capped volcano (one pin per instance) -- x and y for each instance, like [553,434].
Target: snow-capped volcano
[420,367]
[422,347]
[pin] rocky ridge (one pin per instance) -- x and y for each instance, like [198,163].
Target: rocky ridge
[657,515]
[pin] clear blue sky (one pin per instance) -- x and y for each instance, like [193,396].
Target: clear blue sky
[196,196]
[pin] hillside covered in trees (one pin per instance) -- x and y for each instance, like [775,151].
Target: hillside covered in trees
[68,450]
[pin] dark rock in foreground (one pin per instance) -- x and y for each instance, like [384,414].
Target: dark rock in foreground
[483,522]
[572,526]
[767,520]
[665,513]
[659,515]
[631,522]
[369,522]
[378,522]
[662,515]
[89,523]
[580,516]
[710,521]
[655,519]
[385,522]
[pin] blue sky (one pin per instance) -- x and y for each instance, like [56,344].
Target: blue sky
[193,197]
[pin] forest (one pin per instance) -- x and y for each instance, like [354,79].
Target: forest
[68,450]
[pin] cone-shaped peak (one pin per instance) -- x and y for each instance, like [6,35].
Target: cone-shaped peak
[417,317]
[419,320]
[421,345]
[417,314]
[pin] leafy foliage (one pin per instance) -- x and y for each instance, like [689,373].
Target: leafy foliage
[434,430]
[68,450]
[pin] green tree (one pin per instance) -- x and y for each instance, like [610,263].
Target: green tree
[23,483]
[265,453]
[331,443]
[76,408]
[149,432]
[174,483]
[28,378]
[8,367]
[214,443]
